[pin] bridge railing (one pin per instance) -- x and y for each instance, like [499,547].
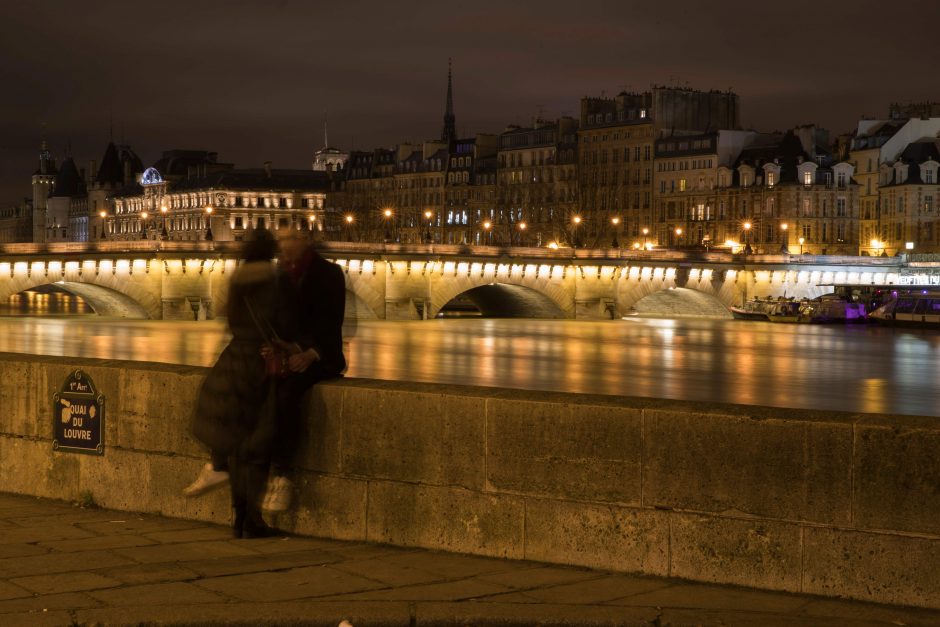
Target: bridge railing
[561,255]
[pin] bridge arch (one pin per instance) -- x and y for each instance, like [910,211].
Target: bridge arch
[104,301]
[553,287]
[711,291]
[502,300]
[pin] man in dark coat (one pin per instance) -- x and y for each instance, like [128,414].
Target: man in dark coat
[311,305]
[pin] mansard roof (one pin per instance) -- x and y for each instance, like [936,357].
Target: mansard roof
[257,180]
[68,182]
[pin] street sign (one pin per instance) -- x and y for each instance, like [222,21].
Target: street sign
[78,416]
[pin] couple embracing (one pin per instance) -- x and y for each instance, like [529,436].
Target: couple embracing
[286,323]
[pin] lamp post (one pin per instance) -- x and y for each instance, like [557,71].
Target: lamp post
[614,223]
[486,232]
[349,221]
[104,224]
[576,221]
[143,224]
[785,242]
[877,245]
[646,233]
[747,238]
[163,233]
[310,220]
[801,240]
[388,217]
[427,235]
[209,223]
[678,237]
[522,228]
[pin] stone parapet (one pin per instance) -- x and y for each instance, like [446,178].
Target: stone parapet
[827,503]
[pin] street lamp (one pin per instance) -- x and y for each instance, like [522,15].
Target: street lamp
[388,216]
[486,227]
[678,236]
[646,233]
[311,218]
[143,225]
[785,243]
[209,223]
[747,238]
[427,236]
[522,228]
[163,233]
[104,225]
[801,240]
[349,221]
[876,245]
[576,221]
[614,222]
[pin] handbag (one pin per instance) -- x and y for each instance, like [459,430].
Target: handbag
[276,357]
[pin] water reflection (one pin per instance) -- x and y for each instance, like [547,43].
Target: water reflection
[45,301]
[865,369]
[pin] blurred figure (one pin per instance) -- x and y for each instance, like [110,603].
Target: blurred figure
[235,410]
[311,304]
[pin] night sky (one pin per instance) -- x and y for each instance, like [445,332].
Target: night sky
[252,79]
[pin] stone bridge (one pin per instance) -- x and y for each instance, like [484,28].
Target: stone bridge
[188,280]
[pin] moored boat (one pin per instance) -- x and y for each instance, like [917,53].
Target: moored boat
[768,309]
[831,308]
[914,308]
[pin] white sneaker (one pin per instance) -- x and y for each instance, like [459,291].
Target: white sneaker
[209,479]
[278,495]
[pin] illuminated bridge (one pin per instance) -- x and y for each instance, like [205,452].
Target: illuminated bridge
[187,280]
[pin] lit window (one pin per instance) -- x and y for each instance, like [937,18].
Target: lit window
[771,179]
[807,178]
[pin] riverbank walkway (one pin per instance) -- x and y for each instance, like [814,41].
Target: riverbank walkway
[63,564]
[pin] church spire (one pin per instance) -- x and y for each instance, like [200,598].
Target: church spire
[449,134]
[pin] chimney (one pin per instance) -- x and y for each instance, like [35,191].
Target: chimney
[267,168]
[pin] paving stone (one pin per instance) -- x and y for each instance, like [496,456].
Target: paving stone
[28,535]
[183,552]
[299,583]
[12,591]
[97,543]
[133,523]
[66,601]
[242,564]
[441,591]
[59,563]
[854,610]
[386,572]
[724,618]
[21,550]
[308,613]
[287,544]
[173,593]
[534,576]
[65,582]
[449,565]
[715,597]
[150,573]
[477,613]
[598,590]
[191,535]
[38,619]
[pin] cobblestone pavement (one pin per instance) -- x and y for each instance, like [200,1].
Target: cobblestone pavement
[61,564]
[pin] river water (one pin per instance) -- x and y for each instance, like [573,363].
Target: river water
[851,368]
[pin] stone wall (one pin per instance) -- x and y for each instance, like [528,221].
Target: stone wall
[817,502]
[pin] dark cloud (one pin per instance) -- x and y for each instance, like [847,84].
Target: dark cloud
[252,79]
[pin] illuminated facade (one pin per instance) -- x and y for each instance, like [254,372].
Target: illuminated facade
[218,202]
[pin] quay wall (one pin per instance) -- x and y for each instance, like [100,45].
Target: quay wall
[835,504]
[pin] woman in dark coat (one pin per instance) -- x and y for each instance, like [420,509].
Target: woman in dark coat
[234,412]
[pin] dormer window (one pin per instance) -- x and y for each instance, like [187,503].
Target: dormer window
[807,178]
[841,179]
[928,175]
[771,179]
